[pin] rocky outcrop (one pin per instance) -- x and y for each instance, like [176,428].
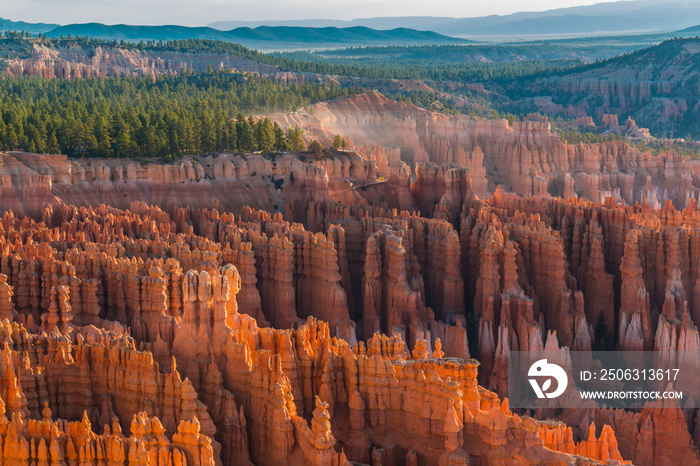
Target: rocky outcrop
[142,320]
[649,86]
[659,432]
[603,448]
[46,441]
[635,329]
[597,285]
[29,182]
[441,185]
[321,337]
[74,61]
[453,154]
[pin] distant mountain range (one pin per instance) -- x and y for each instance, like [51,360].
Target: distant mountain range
[34,28]
[640,22]
[262,37]
[621,17]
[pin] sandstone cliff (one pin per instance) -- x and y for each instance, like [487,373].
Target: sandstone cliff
[101,61]
[475,154]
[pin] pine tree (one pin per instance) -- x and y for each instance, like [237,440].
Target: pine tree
[231,136]
[265,135]
[208,134]
[125,146]
[296,142]
[280,140]
[52,144]
[315,147]
[11,141]
[245,135]
[104,142]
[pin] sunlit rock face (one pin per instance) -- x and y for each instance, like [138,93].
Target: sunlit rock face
[204,337]
[239,309]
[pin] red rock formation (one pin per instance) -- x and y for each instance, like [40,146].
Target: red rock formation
[559,437]
[224,182]
[47,442]
[597,285]
[442,185]
[635,330]
[319,292]
[7,308]
[277,283]
[180,299]
[526,158]
[225,390]
[248,300]
[659,432]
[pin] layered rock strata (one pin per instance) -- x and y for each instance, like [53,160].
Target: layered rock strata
[141,320]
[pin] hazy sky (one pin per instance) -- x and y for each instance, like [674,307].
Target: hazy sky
[202,12]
